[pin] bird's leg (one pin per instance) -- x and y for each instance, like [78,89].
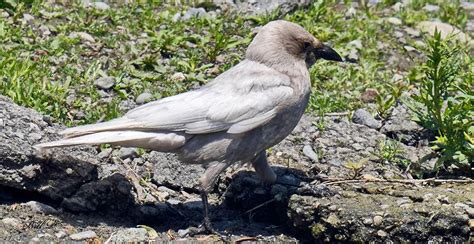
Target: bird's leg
[208,181]
[206,224]
[262,168]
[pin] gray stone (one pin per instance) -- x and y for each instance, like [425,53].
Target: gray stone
[382,233]
[4,14]
[352,56]
[409,48]
[89,234]
[397,6]
[44,31]
[128,152]
[100,5]
[105,153]
[377,220]
[40,207]
[309,152]
[431,8]
[194,13]
[28,18]
[178,77]
[362,117]
[60,235]
[105,82]
[351,12]
[173,202]
[183,232]
[394,20]
[468,6]
[143,98]
[23,168]
[444,29]
[356,43]
[412,32]
[85,37]
[131,235]
[401,127]
[176,17]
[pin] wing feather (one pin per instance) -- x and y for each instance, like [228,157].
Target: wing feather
[239,100]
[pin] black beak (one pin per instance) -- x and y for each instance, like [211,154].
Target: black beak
[326,52]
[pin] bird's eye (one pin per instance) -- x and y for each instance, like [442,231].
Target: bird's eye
[306,45]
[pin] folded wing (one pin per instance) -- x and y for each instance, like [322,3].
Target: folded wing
[239,100]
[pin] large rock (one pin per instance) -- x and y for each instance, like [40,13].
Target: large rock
[444,29]
[363,212]
[55,175]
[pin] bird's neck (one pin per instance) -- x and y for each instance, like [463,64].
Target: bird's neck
[298,73]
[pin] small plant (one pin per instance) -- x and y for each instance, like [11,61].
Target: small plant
[445,103]
[386,102]
[357,167]
[390,151]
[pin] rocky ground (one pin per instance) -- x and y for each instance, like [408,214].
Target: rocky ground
[332,185]
[344,177]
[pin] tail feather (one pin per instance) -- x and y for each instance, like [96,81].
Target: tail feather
[121,124]
[156,141]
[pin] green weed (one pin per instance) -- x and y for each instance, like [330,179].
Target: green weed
[445,102]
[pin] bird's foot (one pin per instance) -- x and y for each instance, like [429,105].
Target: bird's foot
[204,228]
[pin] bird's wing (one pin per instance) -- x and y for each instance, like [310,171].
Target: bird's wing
[238,100]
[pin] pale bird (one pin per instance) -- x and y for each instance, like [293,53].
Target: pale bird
[233,119]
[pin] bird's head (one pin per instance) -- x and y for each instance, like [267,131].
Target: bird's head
[281,40]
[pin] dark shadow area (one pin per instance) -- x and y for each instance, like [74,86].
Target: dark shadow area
[245,206]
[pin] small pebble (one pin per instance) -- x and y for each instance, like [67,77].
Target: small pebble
[85,37]
[28,18]
[89,234]
[194,12]
[382,233]
[178,77]
[183,233]
[378,220]
[173,202]
[143,98]
[60,235]
[362,117]
[105,82]
[394,21]
[100,5]
[367,221]
[128,152]
[309,152]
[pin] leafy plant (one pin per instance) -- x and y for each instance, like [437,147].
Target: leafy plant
[386,102]
[357,167]
[445,102]
[391,151]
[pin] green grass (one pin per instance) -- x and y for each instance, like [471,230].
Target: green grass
[142,47]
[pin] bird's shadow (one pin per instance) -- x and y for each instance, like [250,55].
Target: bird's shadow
[245,206]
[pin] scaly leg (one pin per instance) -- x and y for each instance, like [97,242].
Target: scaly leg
[207,182]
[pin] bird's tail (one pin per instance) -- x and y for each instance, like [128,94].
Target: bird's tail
[165,141]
